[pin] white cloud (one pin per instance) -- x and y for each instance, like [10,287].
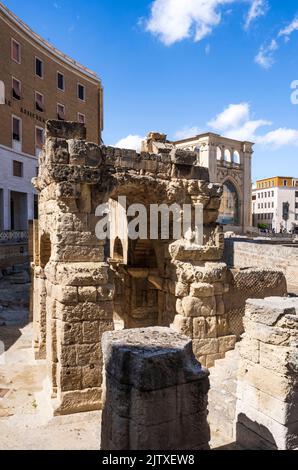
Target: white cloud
[132,142]
[186,132]
[235,122]
[258,8]
[232,117]
[286,32]
[248,130]
[265,55]
[280,137]
[174,20]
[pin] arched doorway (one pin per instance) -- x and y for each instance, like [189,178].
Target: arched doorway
[229,212]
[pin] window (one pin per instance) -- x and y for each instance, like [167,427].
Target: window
[296,216]
[16,129]
[16,133]
[39,102]
[285,183]
[17,169]
[296,205]
[81,92]
[296,193]
[61,112]
[258,206]
[15,51]
[60,81]
[265,195]
[38,67]
[39,138]
[16,89]
[81,118]
[272,193]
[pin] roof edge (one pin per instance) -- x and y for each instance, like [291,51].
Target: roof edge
[47,45]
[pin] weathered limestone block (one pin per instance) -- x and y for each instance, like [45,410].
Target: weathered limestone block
[87,294]
[267,389]
[183,325]
[155,394]
[57,151]
[77,152]
[196,307]
[204,327]
[80,274]
[65,130]
[201,290]
[268,312]
[84,311]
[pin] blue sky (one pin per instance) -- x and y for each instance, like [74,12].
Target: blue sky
[186,66]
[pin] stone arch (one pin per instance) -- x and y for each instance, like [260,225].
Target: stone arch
[118,254]
[230,208]
[2,92]
[218,153]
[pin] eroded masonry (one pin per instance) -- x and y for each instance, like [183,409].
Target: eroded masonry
[84,287]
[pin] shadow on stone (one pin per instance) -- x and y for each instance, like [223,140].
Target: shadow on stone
[252,435]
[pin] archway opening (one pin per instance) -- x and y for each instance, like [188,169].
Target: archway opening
[118,250]
[218,153]
[229,212]
[236,157]
[227,156]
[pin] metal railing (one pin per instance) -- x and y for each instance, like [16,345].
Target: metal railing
[14,236]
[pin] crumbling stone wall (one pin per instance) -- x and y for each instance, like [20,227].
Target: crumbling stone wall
[83,287]
[243,253]
[155,394]
[266,411]
[247,283]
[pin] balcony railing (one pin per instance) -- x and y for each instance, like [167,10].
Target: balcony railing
[14,236]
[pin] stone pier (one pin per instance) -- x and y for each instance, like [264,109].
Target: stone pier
[267,390]
[155,394]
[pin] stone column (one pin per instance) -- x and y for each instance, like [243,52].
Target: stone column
[74,291]
[267,389]
[6,209]
[155,394]
[247,194]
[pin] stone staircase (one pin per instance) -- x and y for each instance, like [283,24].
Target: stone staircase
[222,395]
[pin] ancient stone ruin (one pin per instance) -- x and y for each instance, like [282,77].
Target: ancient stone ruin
[146,369]
[84,287]
[267,388]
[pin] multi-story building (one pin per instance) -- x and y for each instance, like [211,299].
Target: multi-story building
[275,203]
[37,82]
[229,163]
